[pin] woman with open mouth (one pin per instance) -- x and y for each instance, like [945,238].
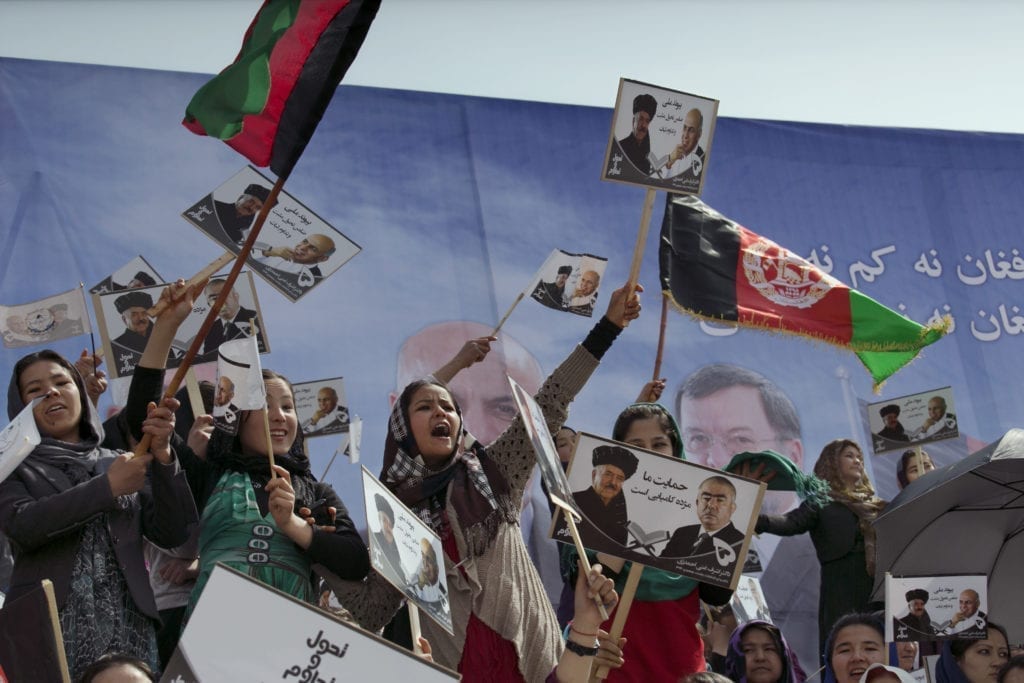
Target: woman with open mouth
[856,642]
[471,495]
[251,520]
[75,514]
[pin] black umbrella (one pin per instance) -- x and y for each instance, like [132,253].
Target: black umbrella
[966,518]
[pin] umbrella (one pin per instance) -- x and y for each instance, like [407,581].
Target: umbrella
[966,518]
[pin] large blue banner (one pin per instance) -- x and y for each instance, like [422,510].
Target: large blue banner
[456,202]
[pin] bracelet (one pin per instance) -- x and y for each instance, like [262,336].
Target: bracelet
[572,627]
[581,650]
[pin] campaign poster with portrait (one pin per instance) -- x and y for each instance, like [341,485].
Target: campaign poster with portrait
[135,273]
[748,602]
[321,407]
[45,320]
[125,323]
[661,511]
[569,282]
[406,552]
[551,470]
[913,420]
[296,249]
[660,138]
[936,607]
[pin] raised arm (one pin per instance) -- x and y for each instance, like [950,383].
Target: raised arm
[473,351]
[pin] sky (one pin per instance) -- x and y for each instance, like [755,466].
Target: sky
[943,64]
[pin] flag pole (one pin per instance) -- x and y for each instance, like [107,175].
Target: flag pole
[270,443]
[622,611]
[661,337]
[570,521]
[494,332]
[641,240]
[211,317]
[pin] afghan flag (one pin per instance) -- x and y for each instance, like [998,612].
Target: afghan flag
[267,103]
[714,268]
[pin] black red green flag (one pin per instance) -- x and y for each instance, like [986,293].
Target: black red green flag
[714,268]
[268,102]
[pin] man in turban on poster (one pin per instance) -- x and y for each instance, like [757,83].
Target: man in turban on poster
[637,145]
[551,294]
[916,620]
[603,503]
[237,217]
[892,430]
[128,347]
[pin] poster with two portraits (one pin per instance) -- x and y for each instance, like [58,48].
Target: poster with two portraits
[645,507]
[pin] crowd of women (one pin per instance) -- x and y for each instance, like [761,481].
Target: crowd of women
[77,511]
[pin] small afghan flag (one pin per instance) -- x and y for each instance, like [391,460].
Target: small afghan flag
[716,269]
[268,102]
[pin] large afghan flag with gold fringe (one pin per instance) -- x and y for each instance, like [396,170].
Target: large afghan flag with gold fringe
[715,268]
[267,103]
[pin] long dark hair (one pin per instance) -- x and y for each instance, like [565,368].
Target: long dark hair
[15,402]
[827,468]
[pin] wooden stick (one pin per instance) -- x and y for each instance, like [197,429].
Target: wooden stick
[511,308]
[414,627]
[582,552]
[270,444]
[199,278]
[641,240]
[919,456]
[622,611]
[661,338]
[195,397]
[211,317]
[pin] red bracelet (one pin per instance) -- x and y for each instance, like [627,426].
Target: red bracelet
[572,628]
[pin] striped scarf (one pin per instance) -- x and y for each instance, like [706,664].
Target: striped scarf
[477,489]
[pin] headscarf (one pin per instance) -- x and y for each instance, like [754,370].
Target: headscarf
[861,499]
[948,669]
[470,479]
[736,662]
[79,461]
[225,451]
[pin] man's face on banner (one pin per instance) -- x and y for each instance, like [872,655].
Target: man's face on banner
[247,205]
[136,319]
[729,421]
[641,121]
[482,391]
[608,481]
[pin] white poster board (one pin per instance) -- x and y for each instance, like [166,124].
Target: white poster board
[243,630]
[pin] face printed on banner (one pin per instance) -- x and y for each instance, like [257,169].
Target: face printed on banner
[482,391]
[936,408]
[136,319]
[969,603]
[916,607]
[607,482]
[313,249]
[225,391]
[716,501]
[692,126]
[725,409]
[588,283]
[641,122]
[247,205]
[326,400]
[231,304]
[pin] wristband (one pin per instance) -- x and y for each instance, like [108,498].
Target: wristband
[572,627]
[581,650]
